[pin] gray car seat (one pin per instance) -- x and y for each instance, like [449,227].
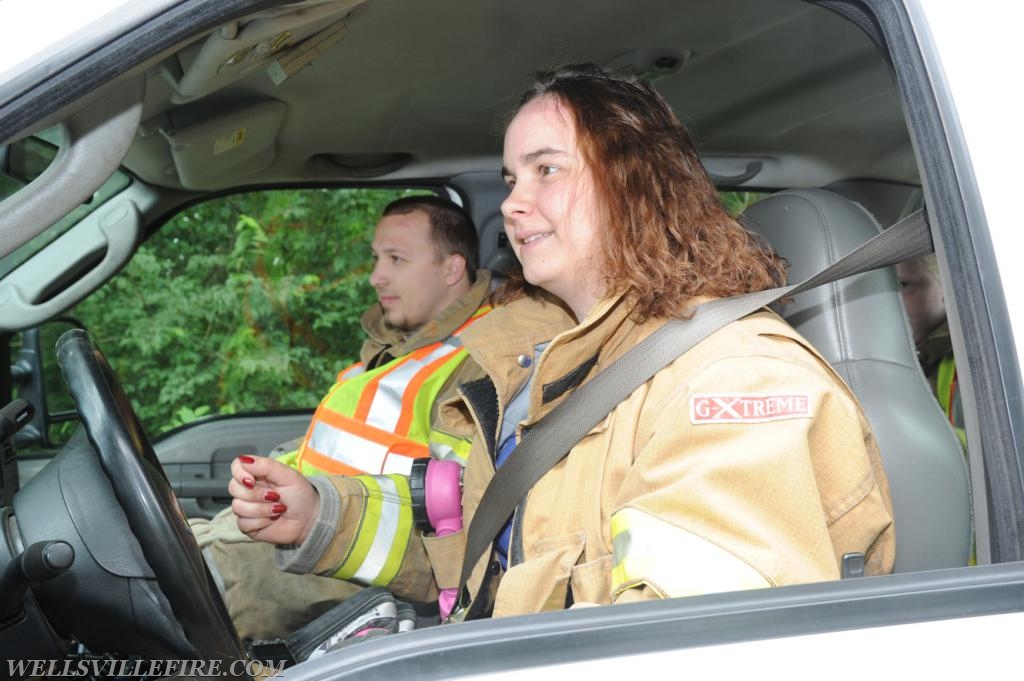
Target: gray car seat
[858,324]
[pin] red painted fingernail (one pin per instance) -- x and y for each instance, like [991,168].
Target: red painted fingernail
[275,517]
[278,509]
[249,482]
[245,458]
[271,495]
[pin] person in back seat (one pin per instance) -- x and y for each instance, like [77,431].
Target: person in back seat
[926,311]
[745,463]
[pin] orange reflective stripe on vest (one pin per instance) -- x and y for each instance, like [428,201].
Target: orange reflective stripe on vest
[359,447]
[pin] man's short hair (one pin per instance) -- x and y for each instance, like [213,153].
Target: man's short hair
[451,229]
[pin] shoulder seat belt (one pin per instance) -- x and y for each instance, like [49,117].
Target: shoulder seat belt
[550,440]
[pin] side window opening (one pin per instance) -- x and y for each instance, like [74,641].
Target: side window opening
[248,302]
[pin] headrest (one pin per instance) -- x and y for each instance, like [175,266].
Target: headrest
[811,229]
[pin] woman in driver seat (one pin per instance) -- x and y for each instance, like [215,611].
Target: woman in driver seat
[745,463]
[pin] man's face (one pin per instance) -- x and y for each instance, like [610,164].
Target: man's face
[922,298]
[413,283]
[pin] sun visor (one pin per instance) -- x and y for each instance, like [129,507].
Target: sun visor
[305,29]
[216,151]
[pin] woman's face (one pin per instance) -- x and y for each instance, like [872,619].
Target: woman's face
[551,214]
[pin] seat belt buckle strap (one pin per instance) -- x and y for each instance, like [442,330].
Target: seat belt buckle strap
[461,608]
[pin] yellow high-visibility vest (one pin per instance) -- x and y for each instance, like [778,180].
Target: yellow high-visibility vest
[946,388]
[379,421]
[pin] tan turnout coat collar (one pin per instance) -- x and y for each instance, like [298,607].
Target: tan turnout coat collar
[382,337]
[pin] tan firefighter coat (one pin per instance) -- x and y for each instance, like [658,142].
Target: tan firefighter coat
[746,463]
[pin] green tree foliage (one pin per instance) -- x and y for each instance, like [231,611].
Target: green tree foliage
[248,302]
[738,201]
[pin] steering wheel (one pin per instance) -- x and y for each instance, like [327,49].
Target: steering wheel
[144,493]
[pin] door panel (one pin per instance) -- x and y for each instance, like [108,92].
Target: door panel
[197,457]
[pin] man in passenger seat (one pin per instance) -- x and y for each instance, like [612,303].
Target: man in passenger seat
[378,416]
[926,311]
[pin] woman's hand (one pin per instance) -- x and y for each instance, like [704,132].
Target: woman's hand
[273,503]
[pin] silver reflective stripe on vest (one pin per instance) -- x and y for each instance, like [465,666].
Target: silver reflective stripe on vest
[387,529]
[386,408]
[439,450]
[353,370]
[399,464]
[348,448]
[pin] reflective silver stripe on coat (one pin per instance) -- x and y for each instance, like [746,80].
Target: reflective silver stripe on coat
[387,529]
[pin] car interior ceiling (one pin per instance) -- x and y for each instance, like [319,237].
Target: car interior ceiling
[346,115]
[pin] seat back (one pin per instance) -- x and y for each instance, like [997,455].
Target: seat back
[859,326]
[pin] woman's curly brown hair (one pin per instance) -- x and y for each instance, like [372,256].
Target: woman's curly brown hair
[669,239]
